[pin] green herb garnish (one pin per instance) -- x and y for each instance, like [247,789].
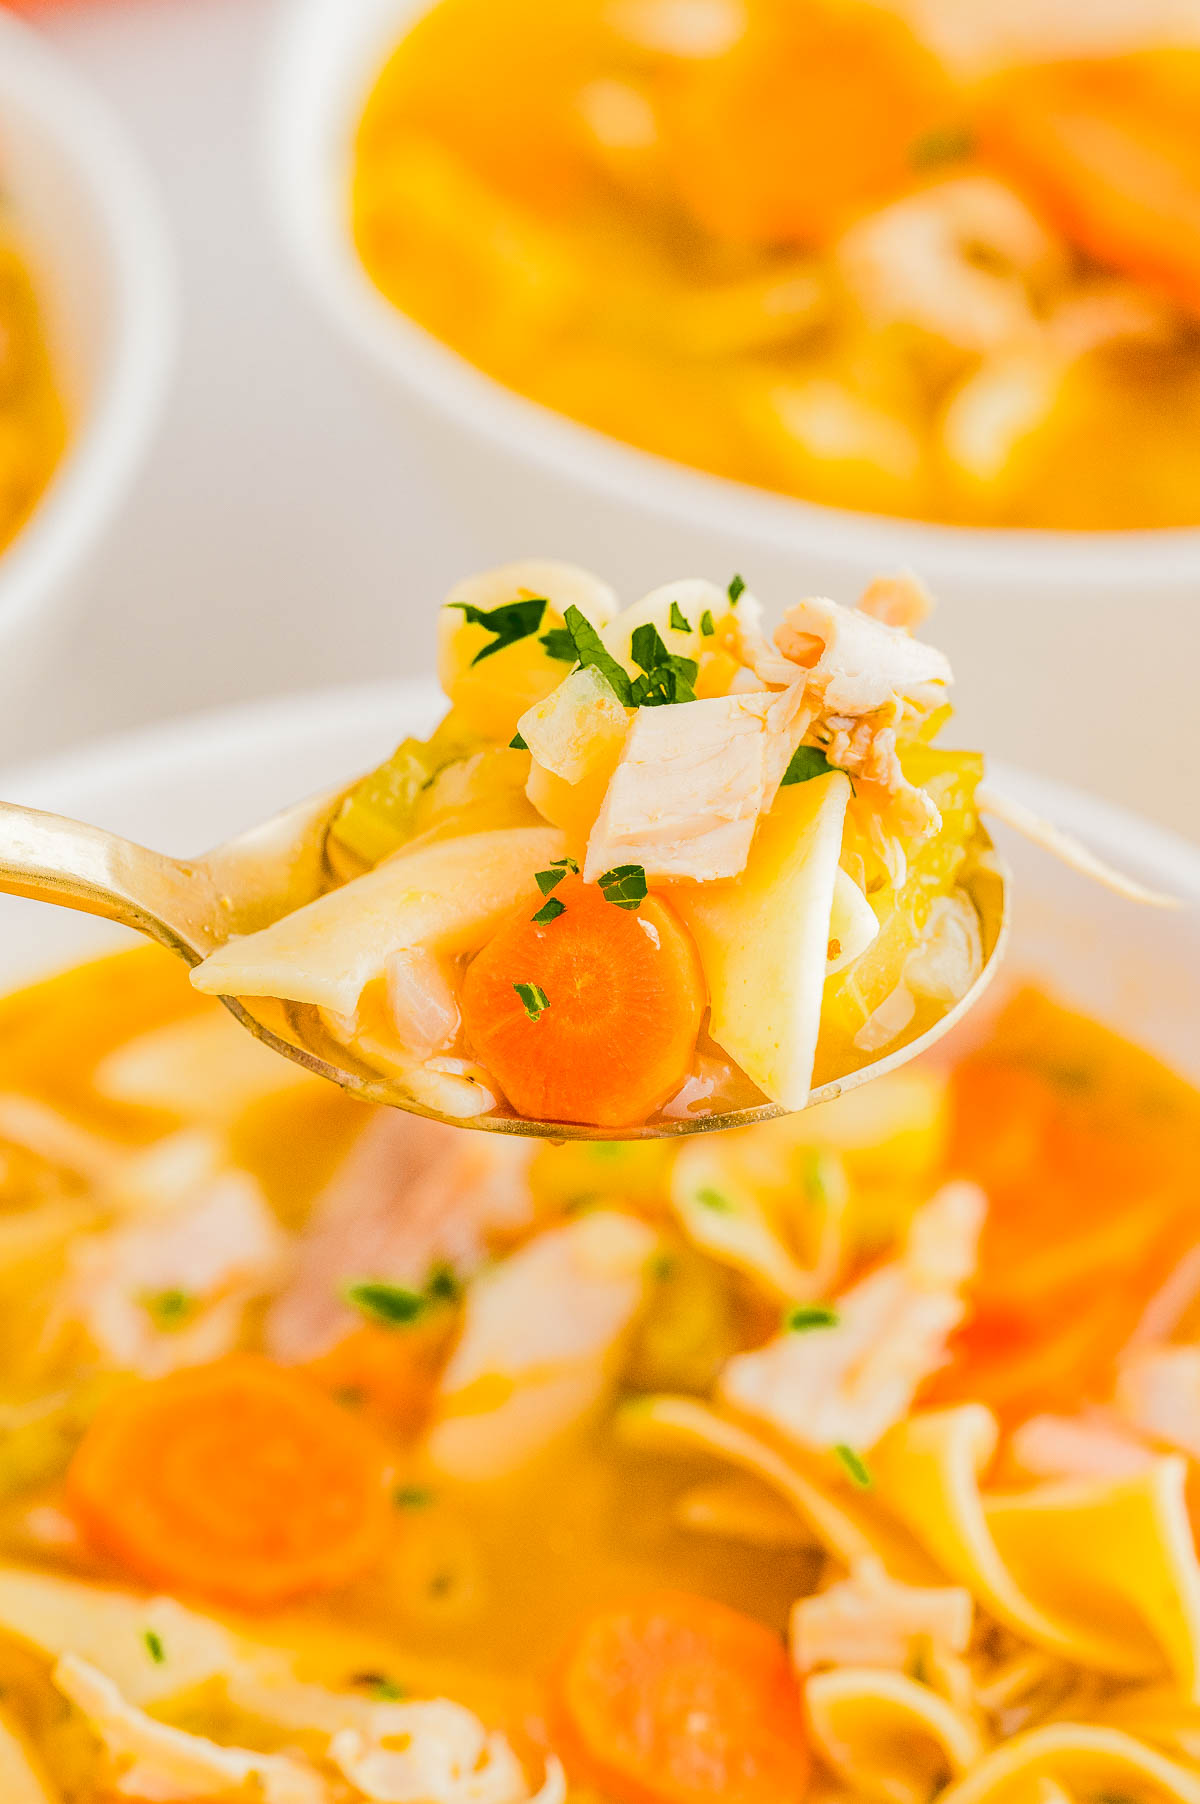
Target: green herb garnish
[442,1285]
[624,886]
[385,1690]
[716,1200]
[517,744]
[708,625]
[807,761]
[736,590]
[592,652]
[559,644]
[678,623]
[806,1316]
[513,621]
[393,1305]
[170,1310]
[154,1647]
[854,1466]
[534,999]
[550,879]
[549,911]
[667,678]
[944,144]
[412,1497]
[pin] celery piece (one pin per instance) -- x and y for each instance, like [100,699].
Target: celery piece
[376,817]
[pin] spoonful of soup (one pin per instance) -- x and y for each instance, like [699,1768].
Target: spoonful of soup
[654,873]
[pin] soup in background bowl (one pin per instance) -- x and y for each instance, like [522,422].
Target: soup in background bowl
[344,1456]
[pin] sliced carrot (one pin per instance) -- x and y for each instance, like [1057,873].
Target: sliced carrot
[625,995]
[237,1481]
[814,114]
[674,1699]
[1111,150]
[392,1373]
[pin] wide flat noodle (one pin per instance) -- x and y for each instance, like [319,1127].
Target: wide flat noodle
[846,1527]
[885,1736]
[1043,1562]
[1095,1762]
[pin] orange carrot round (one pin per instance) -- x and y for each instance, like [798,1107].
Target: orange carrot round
[237,1481]
[815,113]
[624,995]
[674,1699]
[1111,150]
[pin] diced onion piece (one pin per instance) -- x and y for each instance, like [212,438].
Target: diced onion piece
[949,957]
[421,1004]
[853,924]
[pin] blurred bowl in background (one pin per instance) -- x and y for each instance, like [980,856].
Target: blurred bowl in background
[89,230]
[1058,637]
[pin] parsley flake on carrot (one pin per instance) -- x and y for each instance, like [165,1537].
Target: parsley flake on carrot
[533,996]
[628,996]
[239,1481]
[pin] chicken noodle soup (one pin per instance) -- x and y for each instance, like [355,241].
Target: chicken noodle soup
[651,860]
[347,1457]
[782,240]
[31,422]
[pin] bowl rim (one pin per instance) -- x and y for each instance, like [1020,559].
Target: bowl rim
[313,96]
[101,457]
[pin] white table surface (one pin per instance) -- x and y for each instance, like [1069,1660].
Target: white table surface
[285,531]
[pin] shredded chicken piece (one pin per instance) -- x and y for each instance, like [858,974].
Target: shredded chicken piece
[902,601]
[857,663]
[870,1619]
[153,1761]
[1158,1394]
[690,785]
[1050,1446]
[542,1330]
[437,1753]
[218,1249]
[846,1385]
[412,1194]
[957,260]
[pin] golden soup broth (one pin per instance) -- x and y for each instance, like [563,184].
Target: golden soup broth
[1087,1147]
[573,209]
[31,420]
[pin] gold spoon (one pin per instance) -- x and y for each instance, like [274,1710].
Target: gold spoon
[193,905]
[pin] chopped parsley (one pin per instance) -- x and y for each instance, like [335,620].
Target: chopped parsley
[383,1689]
[397,1306]
[549,911]
[736,589]
[944,144]
[716,1200]
[592,653]
[708,625]
[624,886]
[170,1310]
[513,621]
[667,678]
[559,644]
[534,999]
[412,1497]
[154,1647]
[806,1316]
[854,1466]
[807,761]
[550,879]
[517,744]
[678,623]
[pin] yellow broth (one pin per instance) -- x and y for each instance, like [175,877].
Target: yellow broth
[540,186]
[31,419]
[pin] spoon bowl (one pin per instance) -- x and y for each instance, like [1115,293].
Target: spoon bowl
[192,906]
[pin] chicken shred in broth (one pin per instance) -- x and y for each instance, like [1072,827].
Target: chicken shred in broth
[345,1456]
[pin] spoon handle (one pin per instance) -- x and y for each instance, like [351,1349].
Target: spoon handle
[51,859]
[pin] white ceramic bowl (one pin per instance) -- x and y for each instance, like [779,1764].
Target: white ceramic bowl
[90,227]
[535,482]
[183,787]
